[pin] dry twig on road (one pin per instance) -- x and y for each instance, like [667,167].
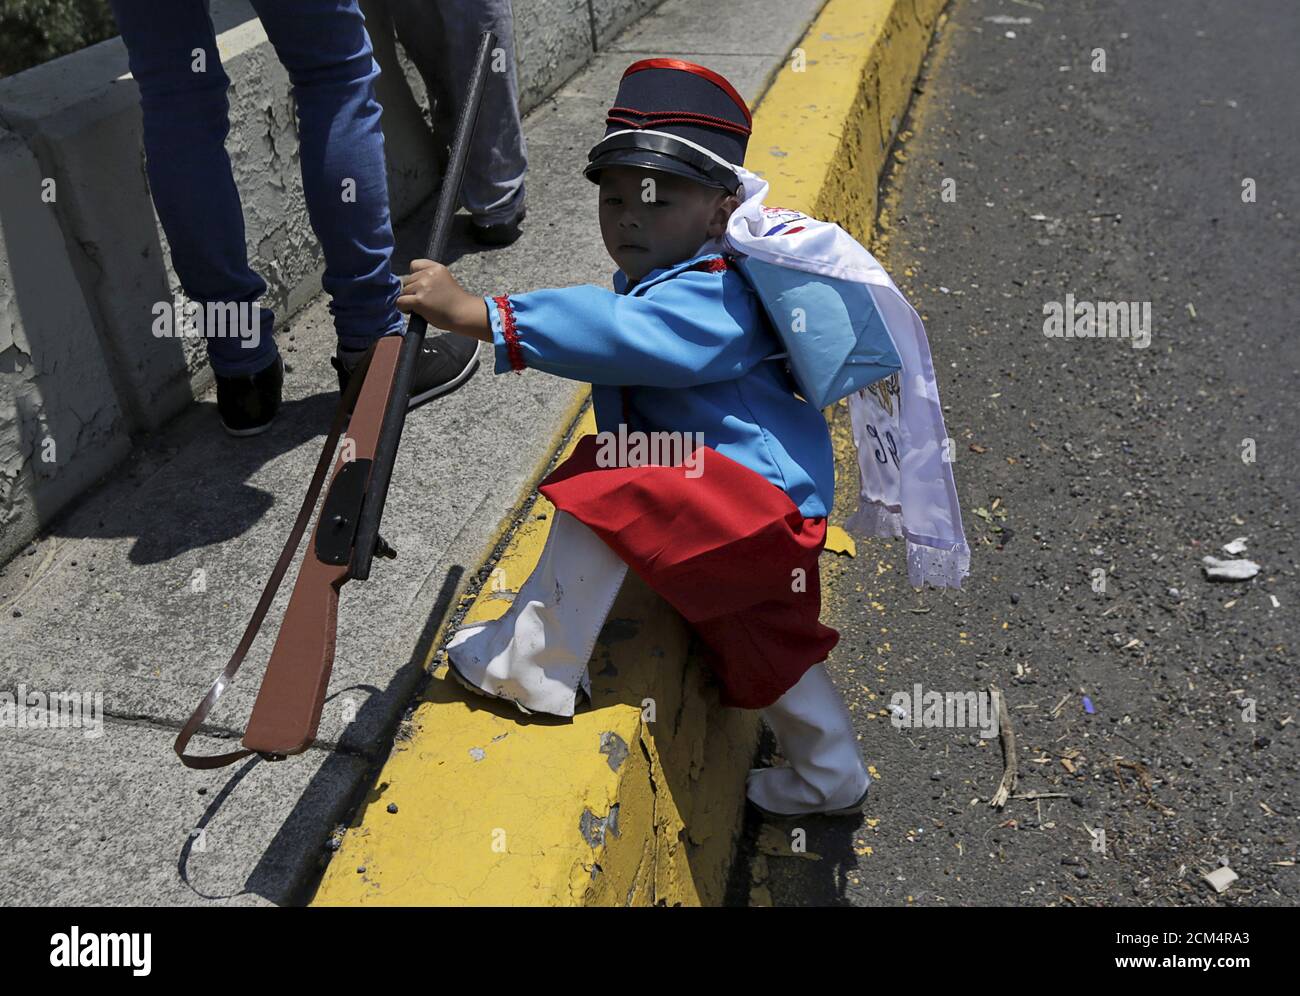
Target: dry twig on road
[1008,752]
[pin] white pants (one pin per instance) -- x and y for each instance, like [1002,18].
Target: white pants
[816,734]
[536,656]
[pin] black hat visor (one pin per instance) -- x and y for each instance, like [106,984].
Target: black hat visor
[700,168]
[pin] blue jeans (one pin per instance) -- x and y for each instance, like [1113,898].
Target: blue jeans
[326,51]
[441,37]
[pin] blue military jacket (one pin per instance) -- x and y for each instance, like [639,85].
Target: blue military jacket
[682,350]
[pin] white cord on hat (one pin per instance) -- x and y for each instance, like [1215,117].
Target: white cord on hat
[685,141]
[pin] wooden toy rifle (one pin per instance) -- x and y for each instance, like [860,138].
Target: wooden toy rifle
[346,539]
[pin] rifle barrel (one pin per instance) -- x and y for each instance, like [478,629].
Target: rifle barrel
[390,429]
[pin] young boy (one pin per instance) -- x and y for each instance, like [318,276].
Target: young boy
[729,532]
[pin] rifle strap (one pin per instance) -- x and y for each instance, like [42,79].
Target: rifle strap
[346,401]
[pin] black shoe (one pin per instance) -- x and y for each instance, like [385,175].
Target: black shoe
[497,235]
[446,361]
[247,405]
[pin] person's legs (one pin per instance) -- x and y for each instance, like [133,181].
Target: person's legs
[825,773]
[326,51]
[493,190]
[420,27]
[173,57]
[536,654]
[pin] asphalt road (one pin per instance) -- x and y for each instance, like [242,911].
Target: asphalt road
[1086,455]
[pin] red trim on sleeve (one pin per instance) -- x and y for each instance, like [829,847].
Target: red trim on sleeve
[510,333]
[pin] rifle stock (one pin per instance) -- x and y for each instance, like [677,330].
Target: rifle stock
[287,711]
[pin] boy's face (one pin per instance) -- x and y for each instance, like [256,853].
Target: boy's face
[650,219]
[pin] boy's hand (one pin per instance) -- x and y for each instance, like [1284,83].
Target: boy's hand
[432,292]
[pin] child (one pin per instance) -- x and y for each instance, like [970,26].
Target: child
[730,532]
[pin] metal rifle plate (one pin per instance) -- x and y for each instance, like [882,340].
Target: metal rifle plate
[342,510]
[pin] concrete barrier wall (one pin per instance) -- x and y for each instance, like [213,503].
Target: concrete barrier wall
[83,259]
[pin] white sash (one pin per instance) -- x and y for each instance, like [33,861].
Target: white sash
[904,452]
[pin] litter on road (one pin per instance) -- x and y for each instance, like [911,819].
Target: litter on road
[1229,570]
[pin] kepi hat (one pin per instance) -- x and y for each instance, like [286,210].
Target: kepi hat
[676,117]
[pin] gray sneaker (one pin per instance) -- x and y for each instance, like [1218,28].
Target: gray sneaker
[446,361]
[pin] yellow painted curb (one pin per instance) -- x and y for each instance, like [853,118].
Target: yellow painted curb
[826,123]
[617,807]
[481,805]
